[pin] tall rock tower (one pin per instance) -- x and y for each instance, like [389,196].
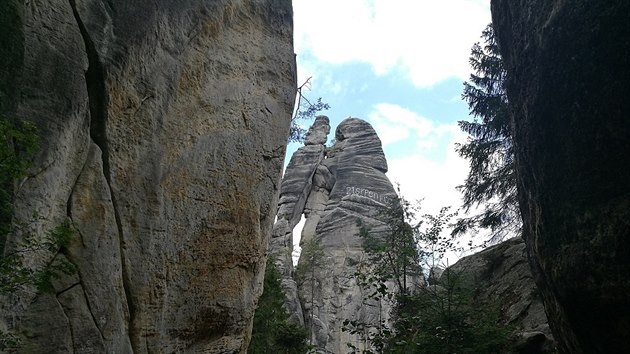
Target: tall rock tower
[334,188]
[163,128]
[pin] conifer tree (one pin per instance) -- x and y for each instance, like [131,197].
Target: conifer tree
[273,332]
[491,180]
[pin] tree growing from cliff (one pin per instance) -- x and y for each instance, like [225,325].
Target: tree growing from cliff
[305,109]
[491,180]
[273,332]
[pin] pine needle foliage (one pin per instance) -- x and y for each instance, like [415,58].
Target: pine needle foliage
[491,180]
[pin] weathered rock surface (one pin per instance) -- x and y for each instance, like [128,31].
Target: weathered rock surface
[334,188]
[568,87]
[355,169]
[163,129]
[501,276]
[296,186]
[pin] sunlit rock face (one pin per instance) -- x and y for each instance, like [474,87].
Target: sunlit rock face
[163,129]
[568,80]
[500,275]
[344,183]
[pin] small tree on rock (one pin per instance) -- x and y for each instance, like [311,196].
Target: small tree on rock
[305,110]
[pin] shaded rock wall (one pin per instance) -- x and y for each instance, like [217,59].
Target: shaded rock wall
[568,87]
[501,276]
[163,129]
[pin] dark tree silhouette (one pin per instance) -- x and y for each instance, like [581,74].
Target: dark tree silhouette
[491,180]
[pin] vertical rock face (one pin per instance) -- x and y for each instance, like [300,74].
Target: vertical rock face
[352,186]
[163,128]
[502,276]
[297,183]
[334,187]
[568,81]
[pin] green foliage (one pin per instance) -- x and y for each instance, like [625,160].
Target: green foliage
[491,180]
[8,341]
[434,243]
[305,110]
[15,275]
[428,319]
[446,319]
[394,255]
[18,142]
[311,258]
[273,332]
[393,259]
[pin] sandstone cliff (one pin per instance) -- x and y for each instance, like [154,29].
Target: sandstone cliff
[163,128]
[501,276]
[297,184]
[334,187]
[568,87]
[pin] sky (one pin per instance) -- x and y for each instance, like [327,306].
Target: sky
[400,65]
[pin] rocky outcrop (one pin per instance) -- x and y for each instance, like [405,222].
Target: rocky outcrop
[351,185]
[500,275]
[163,128]
[296,186]
[334,187]
[568,80]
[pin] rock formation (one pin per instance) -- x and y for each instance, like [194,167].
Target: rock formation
[334,187]
[501,276]
[296,185]
[163,129]
[568,87]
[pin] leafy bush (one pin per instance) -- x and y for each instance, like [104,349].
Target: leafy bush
[436,319]
[445,319]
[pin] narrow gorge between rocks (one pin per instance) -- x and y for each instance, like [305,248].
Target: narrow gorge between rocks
[162,130]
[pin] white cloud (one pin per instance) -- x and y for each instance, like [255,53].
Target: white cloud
[395,123]
[421,173]
[429,40]
[421,176]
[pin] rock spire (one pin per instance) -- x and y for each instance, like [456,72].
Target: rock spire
[332,187]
